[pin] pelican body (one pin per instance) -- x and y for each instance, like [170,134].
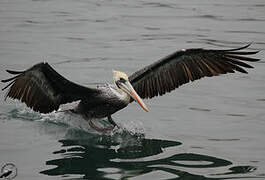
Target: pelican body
[44,90]
[108,102]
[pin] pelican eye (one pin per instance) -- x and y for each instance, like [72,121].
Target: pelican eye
[122,80]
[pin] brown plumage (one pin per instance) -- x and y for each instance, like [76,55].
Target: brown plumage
[43,89]
[188,65]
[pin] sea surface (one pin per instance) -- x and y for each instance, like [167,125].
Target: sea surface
[213,128]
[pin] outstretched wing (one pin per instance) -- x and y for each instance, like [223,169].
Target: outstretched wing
[188,65]
[43,89]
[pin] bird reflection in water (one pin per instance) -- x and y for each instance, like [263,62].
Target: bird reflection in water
[122,156]
[125,154]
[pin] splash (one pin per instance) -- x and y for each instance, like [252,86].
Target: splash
[133,128]
[77,122]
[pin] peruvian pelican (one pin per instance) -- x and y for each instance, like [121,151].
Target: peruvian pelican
[44,90]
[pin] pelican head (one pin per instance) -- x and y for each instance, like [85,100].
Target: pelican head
[122,83]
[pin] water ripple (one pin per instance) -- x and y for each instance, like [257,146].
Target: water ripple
[123,153]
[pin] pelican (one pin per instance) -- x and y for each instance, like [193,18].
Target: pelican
[44,90]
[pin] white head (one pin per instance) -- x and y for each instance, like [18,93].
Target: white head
[122,83]
[117,75]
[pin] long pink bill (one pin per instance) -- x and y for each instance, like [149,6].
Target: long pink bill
[127,87]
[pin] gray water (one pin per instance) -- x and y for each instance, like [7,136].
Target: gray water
[213,128]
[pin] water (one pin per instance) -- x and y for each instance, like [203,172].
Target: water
[209,129]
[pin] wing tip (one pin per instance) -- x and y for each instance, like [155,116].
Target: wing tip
[14,72]
[240,48]
[236,50]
